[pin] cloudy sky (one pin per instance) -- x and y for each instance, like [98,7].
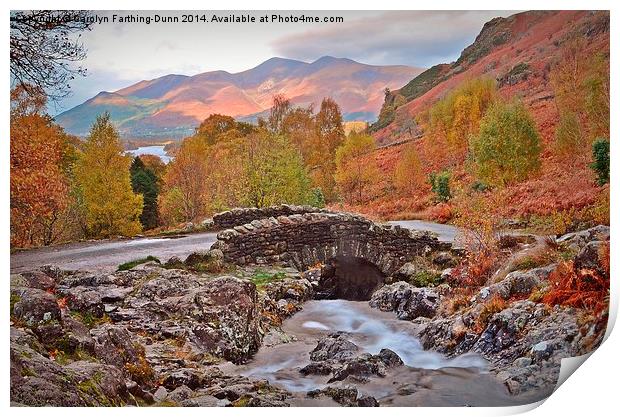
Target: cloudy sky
[120,54]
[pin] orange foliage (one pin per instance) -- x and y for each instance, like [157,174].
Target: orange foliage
[39,192]
[579,287]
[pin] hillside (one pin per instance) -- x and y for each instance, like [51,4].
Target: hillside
[519,53]
[516,51]
[173,105]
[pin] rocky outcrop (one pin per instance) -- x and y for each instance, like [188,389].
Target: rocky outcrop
[337,356]
[112,339]
[407,301]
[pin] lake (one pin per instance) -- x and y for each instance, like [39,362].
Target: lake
[157,150]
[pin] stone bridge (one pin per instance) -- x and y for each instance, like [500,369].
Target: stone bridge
[306,239]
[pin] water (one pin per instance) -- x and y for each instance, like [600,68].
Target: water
[373,330]
[428,378]
[157,150]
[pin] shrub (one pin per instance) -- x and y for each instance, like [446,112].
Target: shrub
[600,151]
[317,199]
[440,184]
[568,136]
[580,288]
[507,149]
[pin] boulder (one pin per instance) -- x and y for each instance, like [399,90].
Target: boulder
[35,307]
[407,301]
[333,346]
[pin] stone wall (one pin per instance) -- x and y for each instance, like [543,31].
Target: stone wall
[241,216]
[305,240]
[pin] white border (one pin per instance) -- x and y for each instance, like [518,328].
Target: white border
[591,391]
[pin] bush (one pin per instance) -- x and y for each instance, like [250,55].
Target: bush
[507,149]
[600,151]
[440,184]
[317,199]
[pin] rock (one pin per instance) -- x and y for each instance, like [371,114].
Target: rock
[406,272]
[589,258]
[35,279]
[333,346]
[444,259]
[407,301]
[317,368]
[38,381]
[84,300]
[577,240]
[204,401]
[188,377]
[214,258]
[114,346]
[346,396]
[180,394]
[227,312]
[367,401]
[35,307]
[161,393]
[517,283]
[389,358]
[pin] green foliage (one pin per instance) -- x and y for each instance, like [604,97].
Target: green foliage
[440,185]
[317,199]
[600,151]
[274,172]
[146,183]
[128,265]
[426,279]
[508,148]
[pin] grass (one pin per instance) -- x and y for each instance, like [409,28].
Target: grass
[262,278]
[131,264]
[426,279]
[90,320]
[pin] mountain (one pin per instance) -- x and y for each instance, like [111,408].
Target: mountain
[173,105]
[517,51]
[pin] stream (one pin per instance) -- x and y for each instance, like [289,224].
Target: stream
[427,379]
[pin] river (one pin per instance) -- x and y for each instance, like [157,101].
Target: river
[427,378]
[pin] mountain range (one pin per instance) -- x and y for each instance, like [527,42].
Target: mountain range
[173,105]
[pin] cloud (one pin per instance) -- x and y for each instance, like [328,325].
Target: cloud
[418,38]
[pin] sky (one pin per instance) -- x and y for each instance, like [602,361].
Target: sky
[121,54]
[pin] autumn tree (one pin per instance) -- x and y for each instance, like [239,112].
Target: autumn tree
[214,126]
[274,172]
[507,149]
[39,191]
[356,168]
[279,109]
[155,165]
[409,173]
[569,139]
[453,119]
[145,183]
[44,48]
[329,136]
[299,126]
[184,196]
[102,173]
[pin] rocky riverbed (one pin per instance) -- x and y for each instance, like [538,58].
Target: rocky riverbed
[201,332]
